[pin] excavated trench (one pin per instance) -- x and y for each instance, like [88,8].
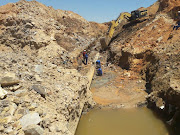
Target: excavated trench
[106,119]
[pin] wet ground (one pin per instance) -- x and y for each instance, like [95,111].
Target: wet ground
[120,88]
[134,121]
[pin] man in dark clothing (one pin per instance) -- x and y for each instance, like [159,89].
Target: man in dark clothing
[86,58]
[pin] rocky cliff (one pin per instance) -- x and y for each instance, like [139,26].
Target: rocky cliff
[41,92]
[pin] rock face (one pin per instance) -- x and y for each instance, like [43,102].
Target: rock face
[151,48]
[35,25]
[39,46]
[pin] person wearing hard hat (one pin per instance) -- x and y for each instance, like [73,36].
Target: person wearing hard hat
[85,57]
[98,64]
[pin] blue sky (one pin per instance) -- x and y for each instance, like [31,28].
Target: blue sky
[94,10]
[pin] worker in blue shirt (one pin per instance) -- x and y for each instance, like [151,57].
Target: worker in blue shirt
[99,72]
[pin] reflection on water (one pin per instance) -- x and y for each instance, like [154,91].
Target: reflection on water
[121,122]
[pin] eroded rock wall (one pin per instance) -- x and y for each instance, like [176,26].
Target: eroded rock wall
[151,48]
[41,91]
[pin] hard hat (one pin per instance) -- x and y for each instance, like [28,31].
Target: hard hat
[84,50]
[178,11]
[98,61]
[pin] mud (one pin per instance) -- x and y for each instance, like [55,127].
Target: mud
[123,121]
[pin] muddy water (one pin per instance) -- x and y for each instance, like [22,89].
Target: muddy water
[121,122]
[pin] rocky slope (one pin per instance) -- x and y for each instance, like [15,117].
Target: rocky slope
[151,48]
[41,92]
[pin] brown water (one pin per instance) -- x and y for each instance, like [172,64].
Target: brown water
[121,122]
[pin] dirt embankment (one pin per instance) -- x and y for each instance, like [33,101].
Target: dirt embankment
[44,93]
[151,48]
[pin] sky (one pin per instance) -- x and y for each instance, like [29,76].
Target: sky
[94,10]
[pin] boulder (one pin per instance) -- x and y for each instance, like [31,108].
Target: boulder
[9,79]
[33,130]
[30,119]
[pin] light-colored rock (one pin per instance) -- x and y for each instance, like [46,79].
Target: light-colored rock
[5,120]
[33,130]
[22,111]
[1,128]
[8,130]
[9,79]
[30,119]
[12,108]
[2,92]
[38,79]
[33,106]
[20,93]
[38,69]
[14,88]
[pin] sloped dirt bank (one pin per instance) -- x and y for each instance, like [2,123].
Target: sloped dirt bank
[165,81]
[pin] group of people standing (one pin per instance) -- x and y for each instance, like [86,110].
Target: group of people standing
[98,63]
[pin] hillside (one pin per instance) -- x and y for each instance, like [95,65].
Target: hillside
[36,44]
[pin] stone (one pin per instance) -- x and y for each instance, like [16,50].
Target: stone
[5,120]
[56,128]
[33,106]
[8,130]
[9,79]
[1,128]
[15,88]
[30,119]
[12,108]
[33,130]
[38,79]
[20,93]
[38,69]
[22,111]
[39,89]
[29,25]
[159,39]
[2,92]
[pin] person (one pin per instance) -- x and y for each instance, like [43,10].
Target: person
[84,52]
[85,59]
[98,64]
[99,72]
